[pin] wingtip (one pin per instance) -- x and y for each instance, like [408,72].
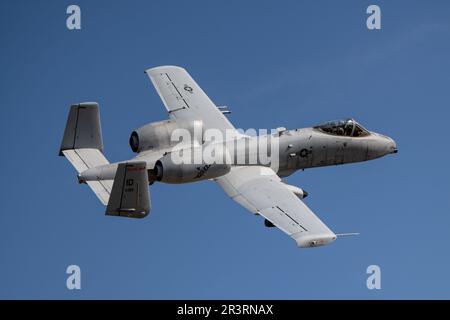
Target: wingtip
[315,240]
[164,68]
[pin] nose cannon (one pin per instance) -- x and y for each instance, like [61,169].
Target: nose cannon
[391,146]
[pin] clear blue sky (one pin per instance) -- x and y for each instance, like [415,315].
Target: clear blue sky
[274,63]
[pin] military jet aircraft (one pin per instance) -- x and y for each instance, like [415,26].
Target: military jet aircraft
[258,186]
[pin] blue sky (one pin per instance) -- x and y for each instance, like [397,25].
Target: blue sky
[283,63]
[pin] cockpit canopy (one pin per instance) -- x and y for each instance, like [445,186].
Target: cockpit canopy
[347,128]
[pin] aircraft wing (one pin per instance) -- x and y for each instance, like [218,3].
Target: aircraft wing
[185,100]
[261,191]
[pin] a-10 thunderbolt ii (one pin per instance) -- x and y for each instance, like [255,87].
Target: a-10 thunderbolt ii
[256,185]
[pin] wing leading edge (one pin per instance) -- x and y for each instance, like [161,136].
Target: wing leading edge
[261,191]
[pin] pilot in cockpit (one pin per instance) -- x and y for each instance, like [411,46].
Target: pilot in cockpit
[347,127]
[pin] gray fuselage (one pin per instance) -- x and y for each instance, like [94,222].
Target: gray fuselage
[309,148]
[297,149]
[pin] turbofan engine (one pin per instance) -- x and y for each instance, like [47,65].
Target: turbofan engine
[153,136]
[163,134]
[170,171]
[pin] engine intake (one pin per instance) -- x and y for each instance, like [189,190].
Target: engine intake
[134,141]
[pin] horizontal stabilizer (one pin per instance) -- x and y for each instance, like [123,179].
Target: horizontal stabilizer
[84,159]
[130,193]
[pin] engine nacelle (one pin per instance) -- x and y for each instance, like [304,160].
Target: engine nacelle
[158,135]
[169,172]
[300,193]
[153,136]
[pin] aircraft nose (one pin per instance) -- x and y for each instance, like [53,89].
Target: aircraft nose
[381,146]
[391,145]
